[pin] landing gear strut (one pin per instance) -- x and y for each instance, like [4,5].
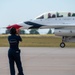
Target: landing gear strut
[62,44]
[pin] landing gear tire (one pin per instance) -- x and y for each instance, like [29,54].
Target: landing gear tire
[62,45]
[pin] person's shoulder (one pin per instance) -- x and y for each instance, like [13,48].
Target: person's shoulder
[9,36]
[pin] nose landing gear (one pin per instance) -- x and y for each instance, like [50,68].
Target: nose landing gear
[62,44]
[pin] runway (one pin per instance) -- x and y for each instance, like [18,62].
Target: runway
[42,61]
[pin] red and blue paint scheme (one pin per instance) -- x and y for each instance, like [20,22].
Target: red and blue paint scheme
[15,26]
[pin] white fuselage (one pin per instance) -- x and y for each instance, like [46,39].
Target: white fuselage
[56,22]
[64,26]
[64,23]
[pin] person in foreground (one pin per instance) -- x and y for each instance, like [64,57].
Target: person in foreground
[14,52]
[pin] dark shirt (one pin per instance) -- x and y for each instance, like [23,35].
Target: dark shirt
[14,41]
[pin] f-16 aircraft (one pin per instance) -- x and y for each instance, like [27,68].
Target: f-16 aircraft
[62,22]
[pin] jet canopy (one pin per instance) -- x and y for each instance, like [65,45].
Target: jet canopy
[55,15]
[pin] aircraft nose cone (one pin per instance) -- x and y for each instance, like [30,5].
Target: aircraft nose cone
[15,26]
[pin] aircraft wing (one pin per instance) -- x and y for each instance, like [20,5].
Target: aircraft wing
[47,25]
[33,25]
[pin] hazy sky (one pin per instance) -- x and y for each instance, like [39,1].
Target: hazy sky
[13,11]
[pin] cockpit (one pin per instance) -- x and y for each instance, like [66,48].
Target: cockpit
[55,15]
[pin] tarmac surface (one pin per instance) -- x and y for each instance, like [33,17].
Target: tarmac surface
[41,61]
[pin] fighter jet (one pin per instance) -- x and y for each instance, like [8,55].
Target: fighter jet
[62,22]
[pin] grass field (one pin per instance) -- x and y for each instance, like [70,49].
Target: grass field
[36,41]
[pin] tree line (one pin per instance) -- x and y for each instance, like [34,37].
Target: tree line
[32,31]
